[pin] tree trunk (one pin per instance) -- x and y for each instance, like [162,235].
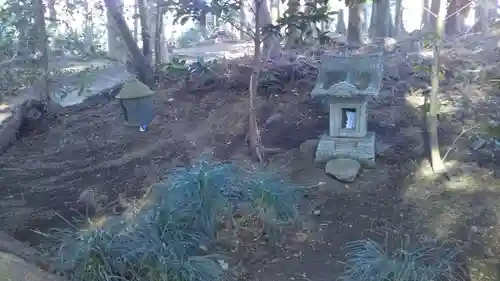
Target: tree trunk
[43,43]
[136,20]
[116,48]
[382,19]
[482,11]
[88,30]
[354,35]
[243,21]
[271,46]
[365,25]
[373,21]
[433,15]
[254,137]
[139,61]
[145,34]
[398,18]
[159,35]
[340,28]
[436,161]
[203,25]
[451,23]
[425,14]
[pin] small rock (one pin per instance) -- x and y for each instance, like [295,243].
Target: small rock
[381,149]
[343,169]
[308,149]
[223,264]
[478,144]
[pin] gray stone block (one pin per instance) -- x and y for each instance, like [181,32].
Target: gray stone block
[361,149]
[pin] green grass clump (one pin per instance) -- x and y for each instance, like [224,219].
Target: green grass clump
[369,261]
[172,236]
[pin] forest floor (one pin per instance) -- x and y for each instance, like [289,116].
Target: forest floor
[51,172]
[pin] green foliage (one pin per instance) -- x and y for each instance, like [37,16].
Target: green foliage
[304,21]
[427,70]
[369,261]
[171,235]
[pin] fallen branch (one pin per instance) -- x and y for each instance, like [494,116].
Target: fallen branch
[453,145]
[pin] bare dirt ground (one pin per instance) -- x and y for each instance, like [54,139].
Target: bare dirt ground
[88,153]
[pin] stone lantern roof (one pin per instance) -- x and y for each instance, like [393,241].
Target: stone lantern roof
[349,76]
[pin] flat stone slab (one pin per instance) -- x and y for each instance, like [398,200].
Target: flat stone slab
[343,169]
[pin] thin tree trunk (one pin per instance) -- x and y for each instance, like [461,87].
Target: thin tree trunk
[253,129]
[136,20]
[436,161]
[398,18]
[145,34]
[158,35]
[42,48]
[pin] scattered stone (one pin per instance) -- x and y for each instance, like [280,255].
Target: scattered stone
[343,169]
[478,144]
[308,149]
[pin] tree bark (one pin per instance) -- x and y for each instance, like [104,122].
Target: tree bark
[483,10]
[425,14]
[432,118]
[116,48]
[271,46]
[243,21]
[354,35]
[434,14]
[145,34]
[398,18]
[203,25]
[382,19]
[43,43]
[139,61]
[159,35]
[340,28]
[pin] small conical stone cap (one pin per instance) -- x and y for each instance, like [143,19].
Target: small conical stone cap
[134,89]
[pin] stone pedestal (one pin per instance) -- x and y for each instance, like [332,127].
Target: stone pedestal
[361,149]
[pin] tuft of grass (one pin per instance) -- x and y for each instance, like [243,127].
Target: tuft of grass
[369,261]
[173,236]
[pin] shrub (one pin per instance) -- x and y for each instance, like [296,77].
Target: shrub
[368,261]
[172,234]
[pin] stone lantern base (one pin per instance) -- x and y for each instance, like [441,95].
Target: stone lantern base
[359,148]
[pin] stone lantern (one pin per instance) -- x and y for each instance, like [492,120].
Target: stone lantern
[345,83]
[137,104]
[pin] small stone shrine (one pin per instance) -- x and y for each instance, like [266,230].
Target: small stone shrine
[345,83]
[137,104]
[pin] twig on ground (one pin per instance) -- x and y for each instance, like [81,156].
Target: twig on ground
[453,145]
